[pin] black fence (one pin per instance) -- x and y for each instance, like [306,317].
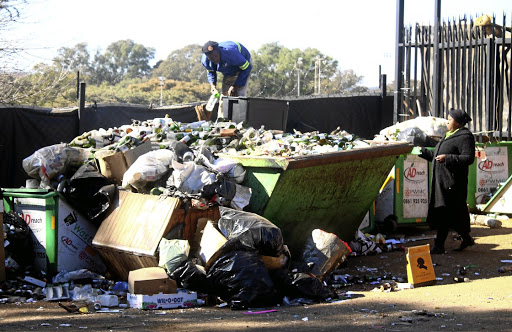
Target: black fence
[471,71]
[24,130]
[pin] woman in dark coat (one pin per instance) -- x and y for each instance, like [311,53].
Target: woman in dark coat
[450,160]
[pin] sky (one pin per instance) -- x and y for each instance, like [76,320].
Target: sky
[359,34]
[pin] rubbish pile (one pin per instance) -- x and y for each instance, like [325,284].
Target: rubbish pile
[421,131]
[240,257]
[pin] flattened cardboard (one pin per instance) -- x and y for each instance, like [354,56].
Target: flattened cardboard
[149,281]
[420,271]
[137,223]
[211,241]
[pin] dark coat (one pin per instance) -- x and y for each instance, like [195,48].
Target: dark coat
[449,187]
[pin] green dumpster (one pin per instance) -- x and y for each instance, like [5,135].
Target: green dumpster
[61,238]
[492,166]
[331,191]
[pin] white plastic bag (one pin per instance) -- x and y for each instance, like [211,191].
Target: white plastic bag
[242,197]
[190,177]
[149,167]
[432,126]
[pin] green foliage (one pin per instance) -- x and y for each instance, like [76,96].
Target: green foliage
[182,65]
[147,91]
[122,74]
[122,59]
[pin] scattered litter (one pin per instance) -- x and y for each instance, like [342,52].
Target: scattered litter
[109,311]
[259,312]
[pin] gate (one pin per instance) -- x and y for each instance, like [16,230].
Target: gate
[474,73]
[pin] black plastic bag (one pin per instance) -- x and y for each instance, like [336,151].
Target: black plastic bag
[89,192]
[223,186]
[300,285]
[241,279]
[19,237]
[252,231]
[191,277]
[417,137]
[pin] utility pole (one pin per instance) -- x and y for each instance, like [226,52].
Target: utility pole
[299,64]
[162,83]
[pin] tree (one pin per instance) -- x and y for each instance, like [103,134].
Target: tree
[9,14]
[74,59]
[344,82]
[278,72]
[122,59]
[182,65]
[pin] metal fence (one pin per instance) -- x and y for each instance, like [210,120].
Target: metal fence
[472,73]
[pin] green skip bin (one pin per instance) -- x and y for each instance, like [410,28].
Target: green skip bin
[331,191]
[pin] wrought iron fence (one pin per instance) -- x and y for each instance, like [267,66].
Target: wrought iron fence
[474,73]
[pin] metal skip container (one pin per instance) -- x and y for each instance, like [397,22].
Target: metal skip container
[331,191]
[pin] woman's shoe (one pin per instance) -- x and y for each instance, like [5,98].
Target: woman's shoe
[467,242]
[437,250]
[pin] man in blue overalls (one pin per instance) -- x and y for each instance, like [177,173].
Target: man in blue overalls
[233,60]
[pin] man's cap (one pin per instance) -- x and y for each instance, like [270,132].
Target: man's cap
[210,46]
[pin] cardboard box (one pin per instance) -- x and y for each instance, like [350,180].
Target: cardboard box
[163,301]
[149,281]
[113,165]
[420,271]
[128,238]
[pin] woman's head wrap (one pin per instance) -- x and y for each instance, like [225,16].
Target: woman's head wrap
[460,116]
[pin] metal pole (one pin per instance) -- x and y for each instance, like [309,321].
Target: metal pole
[298,82]
[316,76]
[161,93]
[319,77]
[399,57]
[81,105]
[436,84]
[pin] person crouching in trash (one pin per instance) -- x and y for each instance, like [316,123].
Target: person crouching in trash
[451,159]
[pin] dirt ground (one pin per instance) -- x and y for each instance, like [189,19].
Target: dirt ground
[482,303]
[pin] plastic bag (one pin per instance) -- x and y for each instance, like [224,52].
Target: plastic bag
[190,276]
[417,137]
[172,253]
[300,285]
[189,177]
[240,278]
[251,230]
[18,236]
[49,162]
[89,192]
[362,245]
[326,251]
[149,167]
[242,197]
[431,126]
